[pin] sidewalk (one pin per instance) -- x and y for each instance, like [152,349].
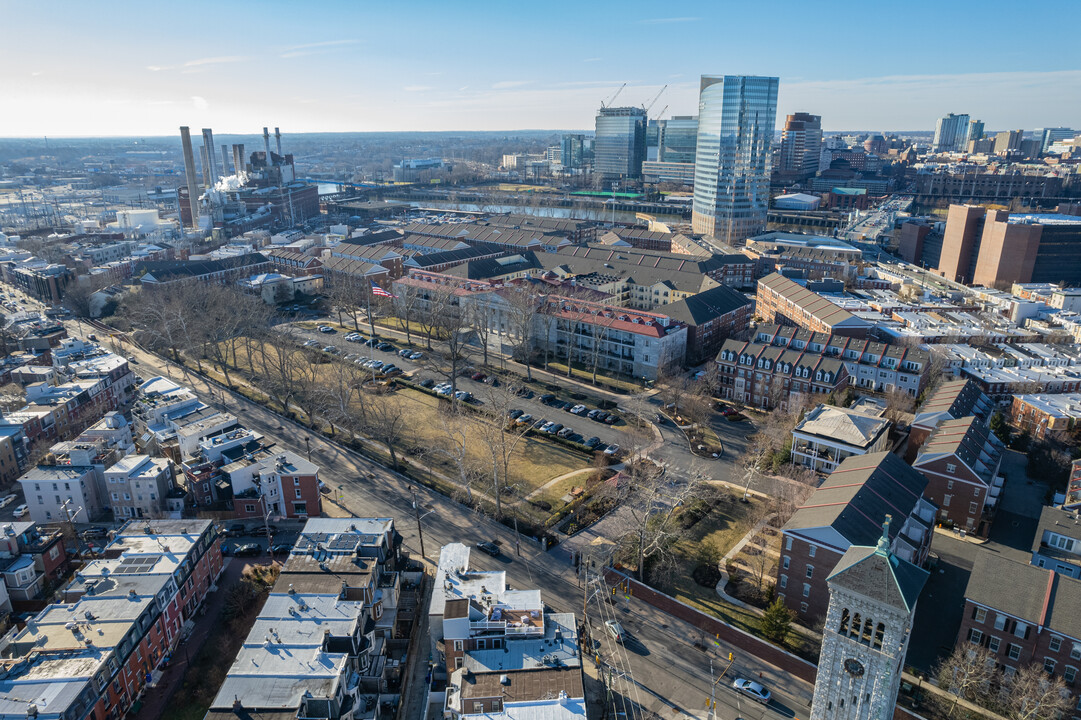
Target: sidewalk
[155,699]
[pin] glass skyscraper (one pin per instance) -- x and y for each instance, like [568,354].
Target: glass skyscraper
[679,139]
[572,149]
[736,115]
[951,134]
[620,143]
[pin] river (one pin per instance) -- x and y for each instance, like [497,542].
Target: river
[549,212]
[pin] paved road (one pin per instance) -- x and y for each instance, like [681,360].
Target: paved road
[665,661]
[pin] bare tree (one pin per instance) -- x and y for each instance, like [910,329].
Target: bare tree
[479,313]
[454,352]
[899,405]
[345,401]
[388,423]
[455,444]
[281,364]
[501,438]
[311,394]
[969,673]
[349,293]
[431,310]
[405,309]
[522,303]
[1033,694]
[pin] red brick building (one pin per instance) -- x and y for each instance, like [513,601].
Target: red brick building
[1024,615]
[786,302]
[847,510]
[960,460]
[768,376]
[711,318]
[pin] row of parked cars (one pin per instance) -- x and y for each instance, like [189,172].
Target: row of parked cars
[445,389]
[518,418]
[608,418]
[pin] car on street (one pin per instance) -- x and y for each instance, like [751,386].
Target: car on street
[8,499]
[95,532]
[488,547]
[753,690]
[247,550]
[611,449]
[281,549]
[21,510]
[613,628]
[235,530]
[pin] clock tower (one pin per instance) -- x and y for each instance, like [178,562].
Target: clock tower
[872,600]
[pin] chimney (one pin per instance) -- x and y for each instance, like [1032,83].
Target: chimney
[207,182]
[266,145]
[211,155]
[278,140]
[225,160]
[189,175]
[238,158]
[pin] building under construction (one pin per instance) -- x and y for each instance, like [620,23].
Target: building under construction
[260,192]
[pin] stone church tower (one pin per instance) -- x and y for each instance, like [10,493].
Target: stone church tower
[872,601]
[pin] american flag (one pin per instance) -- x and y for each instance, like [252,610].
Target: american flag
[380,292]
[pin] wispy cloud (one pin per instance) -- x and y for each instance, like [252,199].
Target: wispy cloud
[667,20]
[592,59]
[316,48]
[463,88]
[505,84]
[199,103]
[418,88]
[215,60]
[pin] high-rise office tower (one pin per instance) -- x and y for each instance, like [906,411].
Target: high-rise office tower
[801,145]
[620,143]
[736,116]
[975,131]
[1008,140]
[679,139]
[571,150]
[951,134]
[1047,136]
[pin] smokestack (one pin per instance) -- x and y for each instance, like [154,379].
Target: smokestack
[207,182]
[211,156]
[266,145]
[225,160]
[189,175]
[238,158]
[278,139]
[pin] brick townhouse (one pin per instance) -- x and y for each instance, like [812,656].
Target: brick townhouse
[1024,614]
[848,510]
[768,376]
[711,318]
[951,400]
[961,460]
[785,302]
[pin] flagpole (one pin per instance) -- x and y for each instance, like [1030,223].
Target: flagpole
[371,348]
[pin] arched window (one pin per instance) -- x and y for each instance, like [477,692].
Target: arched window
[857,623]
[868,627]
[844,621]
[880,633]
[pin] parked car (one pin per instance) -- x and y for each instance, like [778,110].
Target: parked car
[613,628]
[547,424]
[352,337]
[371,342]
[492,380]
[96,531]
[579,410]
[514,414]
[463,395]
[488,547]
[547,398]
[523,419]
[247,550]
[391,369]
[8,499]
[281,549]
[427,383]
[384,346]
[330,350]
[235,530]
[311,343]
[405,352]
[375,364]
[611,419]
[416,355]
[592,414]
[325,329]
[565,432]
[478,376]
[611,449]
[753,690]
[592,442]
[554,428]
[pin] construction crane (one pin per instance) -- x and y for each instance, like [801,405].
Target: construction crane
[609,101]
[662,112]
[655,99]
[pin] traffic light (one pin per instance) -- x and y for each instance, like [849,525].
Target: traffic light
[730,657]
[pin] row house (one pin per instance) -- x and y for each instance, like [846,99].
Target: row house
[951,400]
[1002,383]
[577,231]
[294,262]
[847,510]
[138,486]
[509,238]
[873,366]
[711,317]
[92,656]
[828,434]
[222,272]
[382,255]
[1023,615]
[961,460]
[273,482]
[202,469]
[770,376]
[734,269]
[473,257]
[320,645]
[1040,415]
[785,302]
[1056,544]
[31,558]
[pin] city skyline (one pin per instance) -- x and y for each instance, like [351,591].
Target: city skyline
[345,68]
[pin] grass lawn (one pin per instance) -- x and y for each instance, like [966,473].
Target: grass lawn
[534,463]
[553,495]
[587,376]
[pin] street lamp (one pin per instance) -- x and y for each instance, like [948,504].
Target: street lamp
[420,529]
[308,446]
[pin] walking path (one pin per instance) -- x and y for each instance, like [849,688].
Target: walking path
[736,549]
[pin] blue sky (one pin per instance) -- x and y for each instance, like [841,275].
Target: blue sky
[144,68]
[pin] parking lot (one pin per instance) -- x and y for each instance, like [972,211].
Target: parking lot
[418,371]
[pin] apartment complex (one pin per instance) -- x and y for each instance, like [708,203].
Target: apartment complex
[1056,544]
[828,434]
[843,512]
[770,376]
[961,460]
[786,302]
[951,400]
[1040,415]
[711,317]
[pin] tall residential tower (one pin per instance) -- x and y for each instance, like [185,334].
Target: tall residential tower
[620,144]
[801,145]
[951,134]
[736,115]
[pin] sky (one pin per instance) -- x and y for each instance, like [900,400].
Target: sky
[106,68]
